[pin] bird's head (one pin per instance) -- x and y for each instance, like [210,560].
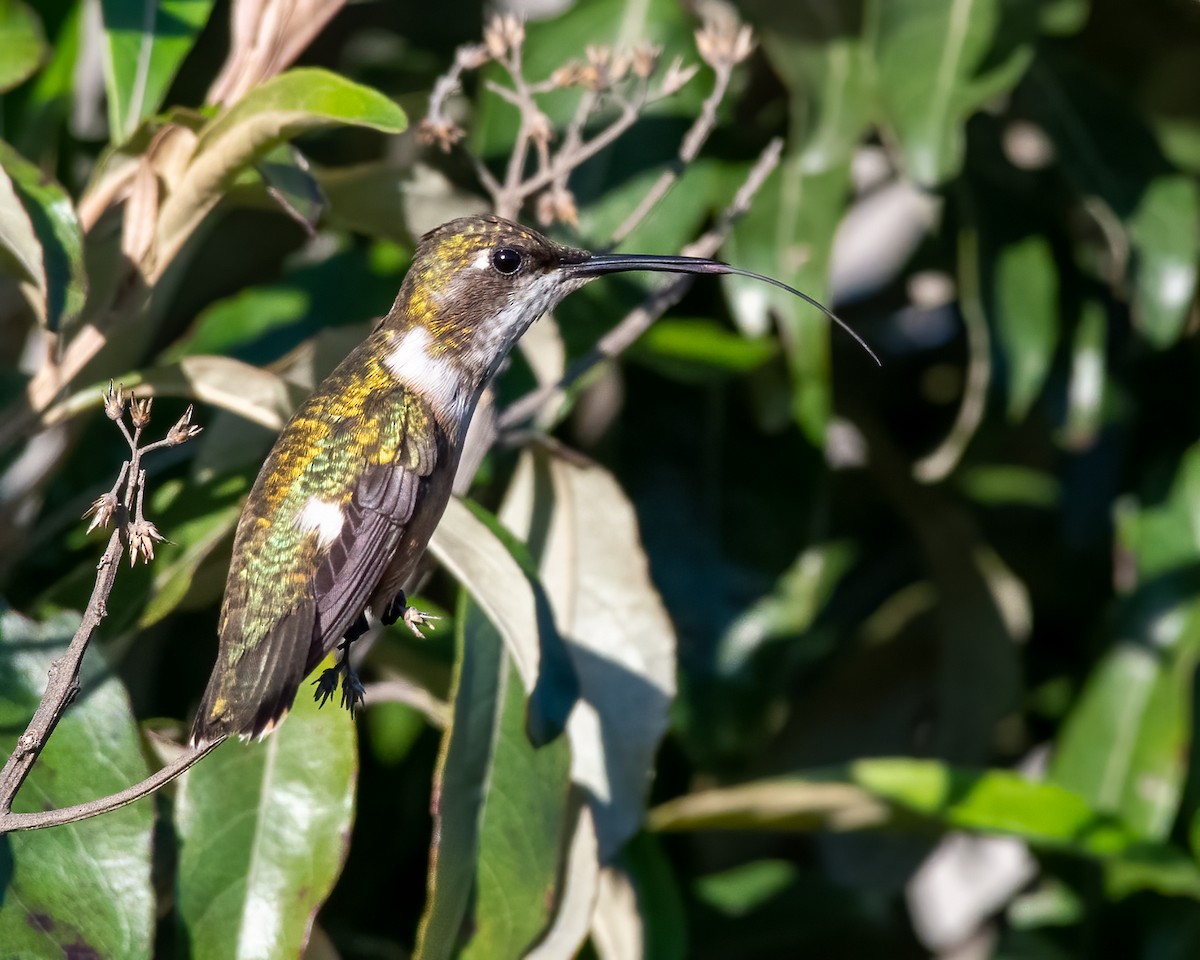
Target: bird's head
[477,283]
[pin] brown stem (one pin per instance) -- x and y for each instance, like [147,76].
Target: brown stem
[10,822]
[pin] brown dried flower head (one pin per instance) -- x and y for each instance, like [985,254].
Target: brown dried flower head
[504,34]
[114,401]
[441,133]
[677,76]
[139,411]
[143,535]
[540,129]
[722,42]
[472,56]
[568,75]
[184,429]
[556,204]
[101,511]
[645,59]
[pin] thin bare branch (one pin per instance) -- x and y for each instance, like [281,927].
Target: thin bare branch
[10,822]
[122,505]
[699,132]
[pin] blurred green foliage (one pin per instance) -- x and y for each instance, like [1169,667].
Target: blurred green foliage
[946,607]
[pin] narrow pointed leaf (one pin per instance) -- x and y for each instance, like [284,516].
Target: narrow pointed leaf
[146,42]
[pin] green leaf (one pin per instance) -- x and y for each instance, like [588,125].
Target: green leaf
[788,234]
[1088,383]
[284,107]
[40,231]
[700,350]
[819,52]
[1165,230]
[1025,310]
[583,531]
[147,41]
[501,812]
[263,830]
[937,62]
[82,889]
[22,41]
[498,573]
[257,395]
[1124,745]
[1108,151]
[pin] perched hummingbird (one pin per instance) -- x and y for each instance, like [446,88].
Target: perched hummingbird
[350,494]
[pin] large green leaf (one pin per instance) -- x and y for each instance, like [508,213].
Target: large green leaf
[501,810]
[937,62]
[286,106]
[40,231]
[263,829]
[146,43]
[582,529]
[22,41]
[82,889]
[498,573]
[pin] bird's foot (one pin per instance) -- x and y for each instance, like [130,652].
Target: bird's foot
[327,684]
[413,618]
[353,692]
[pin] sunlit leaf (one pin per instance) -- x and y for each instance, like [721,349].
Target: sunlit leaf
[40,230]
[582,529]
[295,102]
[1166,234]
[263,831]
[83,888]
[146,43]
[22,41]
[483,557]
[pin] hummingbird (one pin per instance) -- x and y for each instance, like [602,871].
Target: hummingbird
[345,504]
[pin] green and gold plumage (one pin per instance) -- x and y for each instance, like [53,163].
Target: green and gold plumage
[359,478]
[364,444]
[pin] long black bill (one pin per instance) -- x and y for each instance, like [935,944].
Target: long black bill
[624,262]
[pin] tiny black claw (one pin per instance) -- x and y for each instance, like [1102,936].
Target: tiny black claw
[326,684]
[353,692]
[395,609]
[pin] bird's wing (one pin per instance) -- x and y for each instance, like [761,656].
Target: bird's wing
[319,528]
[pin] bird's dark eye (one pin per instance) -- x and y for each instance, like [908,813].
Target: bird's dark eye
[507,260]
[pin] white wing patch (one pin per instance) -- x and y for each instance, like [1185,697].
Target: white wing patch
[323,518]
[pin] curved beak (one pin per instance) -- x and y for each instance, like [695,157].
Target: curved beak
[601,264]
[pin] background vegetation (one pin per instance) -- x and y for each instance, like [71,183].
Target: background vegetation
[933,628]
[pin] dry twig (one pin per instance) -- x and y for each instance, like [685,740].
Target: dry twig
[122,507]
